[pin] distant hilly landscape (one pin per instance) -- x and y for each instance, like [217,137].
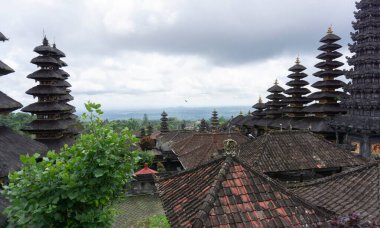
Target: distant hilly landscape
[183,113]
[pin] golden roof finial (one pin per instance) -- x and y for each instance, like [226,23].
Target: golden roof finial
[276,82]
[330,30]
[260,100]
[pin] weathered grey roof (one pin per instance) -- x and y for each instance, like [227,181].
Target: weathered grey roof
[295,150]
[354,190]
[12,145]
[46,107]
[201,147]
[5,69]
[2,37]
[7,104]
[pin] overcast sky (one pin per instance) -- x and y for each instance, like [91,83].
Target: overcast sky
[152,53]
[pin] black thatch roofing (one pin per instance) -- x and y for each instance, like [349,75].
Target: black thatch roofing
[330,38]
[7,104]
[353,190]
[46,125]
[2,37]
[45,61]
[5,69]
[44,74]
[46,107]
[3,218]
[58,52]
[62,83]
[57,144]
[325,108]
[284,151]
[12,145]
[46,90]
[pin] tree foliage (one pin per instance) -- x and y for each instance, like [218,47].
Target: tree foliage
[76,187]
[16,120]
[145,157]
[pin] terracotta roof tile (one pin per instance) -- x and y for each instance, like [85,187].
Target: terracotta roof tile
[220,193]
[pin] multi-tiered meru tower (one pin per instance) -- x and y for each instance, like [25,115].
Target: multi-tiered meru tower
[327,96]
[55,123]
[362,122]
[297,91]
[275,104]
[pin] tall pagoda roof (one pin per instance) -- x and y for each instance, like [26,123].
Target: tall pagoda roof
[7,104]
[46,125]
[353,190]
[5,69]
[45,61]
[41,107]
[259,105]
[44,74]
[283,151]
[276,89]
[58,52]
[201,147]
[225,192]
[330,37]
[46,90]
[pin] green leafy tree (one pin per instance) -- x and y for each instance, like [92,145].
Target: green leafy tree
[145,157]
[76,187]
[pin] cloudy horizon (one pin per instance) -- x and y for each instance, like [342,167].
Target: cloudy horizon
[139,53]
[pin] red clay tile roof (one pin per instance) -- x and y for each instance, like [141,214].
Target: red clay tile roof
[225,192]
[201,147]
[146,170]
[295,150]
[354,190]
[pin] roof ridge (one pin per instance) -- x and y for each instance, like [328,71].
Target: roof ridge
[261,148]
[336,176]
[320,211]
[212,195]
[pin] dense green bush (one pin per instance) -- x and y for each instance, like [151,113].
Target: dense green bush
[74,188]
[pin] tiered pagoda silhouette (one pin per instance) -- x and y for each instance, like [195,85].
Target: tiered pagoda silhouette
[55,124]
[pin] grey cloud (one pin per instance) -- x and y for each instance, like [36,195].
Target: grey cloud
[223,32]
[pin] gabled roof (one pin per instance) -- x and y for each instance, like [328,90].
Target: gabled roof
[201,147]
[227,193]
[282,151]
[236,119]
[165,140]
[354,190]
[12,145]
